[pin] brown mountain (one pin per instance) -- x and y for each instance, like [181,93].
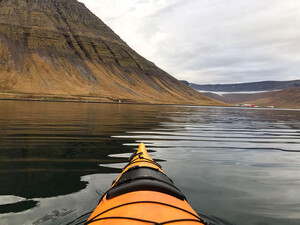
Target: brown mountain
[59,49]
[251,86]
[289,98]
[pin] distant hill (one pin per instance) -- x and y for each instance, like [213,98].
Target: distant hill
[243,87]
[289,98]
[58,49]
[282,94]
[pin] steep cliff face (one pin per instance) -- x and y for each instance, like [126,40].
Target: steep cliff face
[59,48]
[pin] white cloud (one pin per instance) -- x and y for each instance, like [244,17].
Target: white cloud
[210,41]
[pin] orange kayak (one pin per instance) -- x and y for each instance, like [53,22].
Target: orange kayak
[143,194]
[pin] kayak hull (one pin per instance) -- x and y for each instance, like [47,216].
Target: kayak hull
[143,194]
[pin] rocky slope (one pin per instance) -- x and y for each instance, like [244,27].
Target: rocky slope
[52,49]
[253,86]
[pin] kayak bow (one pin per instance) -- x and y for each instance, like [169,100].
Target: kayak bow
[143,194]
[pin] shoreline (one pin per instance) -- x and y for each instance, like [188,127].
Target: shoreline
[95,99]
[102,102]
[134,103]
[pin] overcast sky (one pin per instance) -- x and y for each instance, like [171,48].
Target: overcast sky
[210,41]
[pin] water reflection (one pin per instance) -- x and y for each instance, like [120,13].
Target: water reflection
[236,166]
[49,151]
[17,207]
[43,183]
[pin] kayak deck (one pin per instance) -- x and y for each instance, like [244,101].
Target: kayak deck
[143,194]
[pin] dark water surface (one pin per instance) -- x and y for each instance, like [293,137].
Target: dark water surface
[236,166]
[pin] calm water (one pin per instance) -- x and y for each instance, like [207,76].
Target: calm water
[236,166]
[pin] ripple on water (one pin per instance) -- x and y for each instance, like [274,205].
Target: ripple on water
[255,157]
[236,166]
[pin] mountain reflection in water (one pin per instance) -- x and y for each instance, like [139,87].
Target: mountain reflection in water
[236,166]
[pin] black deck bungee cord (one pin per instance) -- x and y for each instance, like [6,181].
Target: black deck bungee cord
[148,221]
[144,160]
[140,156]
[94,219]
[139,202]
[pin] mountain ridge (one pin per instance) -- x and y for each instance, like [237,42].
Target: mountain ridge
[263,93]
[287,98]
[59,49]
[248,86]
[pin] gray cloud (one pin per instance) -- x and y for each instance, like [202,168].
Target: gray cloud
[210,41]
